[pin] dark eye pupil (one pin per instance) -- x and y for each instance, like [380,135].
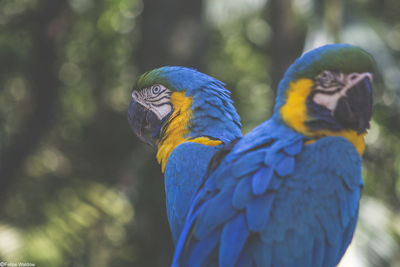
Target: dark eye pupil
[326,76]
[156,89]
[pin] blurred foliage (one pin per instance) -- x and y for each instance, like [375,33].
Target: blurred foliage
[78,189]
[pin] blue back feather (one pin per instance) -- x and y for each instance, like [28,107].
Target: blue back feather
[297,207]
[275,200]
[184,173]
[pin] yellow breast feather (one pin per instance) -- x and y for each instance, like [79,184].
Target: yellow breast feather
[177,129]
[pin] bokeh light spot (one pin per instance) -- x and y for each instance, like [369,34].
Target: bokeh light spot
[70,73]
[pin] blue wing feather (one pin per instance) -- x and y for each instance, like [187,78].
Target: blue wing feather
[298,213]
[318,252]
[210,185]
[258,211]
[347,236]
[332,252]
[261,180]
[203,249]
[262,253]
[242,194]
[293,149]
[233,237]
[285,166]
[216,212]
[296,244]
[248,164]
[246,258]
[280,252]
[275,184]
[328,216]
[353,201]
[185,233]
[343,206]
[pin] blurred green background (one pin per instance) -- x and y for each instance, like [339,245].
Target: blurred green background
[78,189]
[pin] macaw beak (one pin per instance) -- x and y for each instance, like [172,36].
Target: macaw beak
[354,110]
[142,121]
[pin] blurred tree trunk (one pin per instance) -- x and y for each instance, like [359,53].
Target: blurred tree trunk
[172,33]
[333,10]
[329,17]
[45,27]
[288,36]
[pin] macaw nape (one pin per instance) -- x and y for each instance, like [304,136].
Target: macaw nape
[188,116]
[287,193]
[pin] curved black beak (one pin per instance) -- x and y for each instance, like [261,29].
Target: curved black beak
[354,110]
[142,121]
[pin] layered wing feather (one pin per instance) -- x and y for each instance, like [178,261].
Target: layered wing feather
[275,203]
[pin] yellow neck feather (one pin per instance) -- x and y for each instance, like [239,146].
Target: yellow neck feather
[294,113]
[176,131]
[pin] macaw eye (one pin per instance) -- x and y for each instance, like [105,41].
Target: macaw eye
[328,81]
[326,76]
[156,89]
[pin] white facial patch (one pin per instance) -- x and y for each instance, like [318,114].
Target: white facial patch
[161,111]
[328,96]
[328,101]
[156,99]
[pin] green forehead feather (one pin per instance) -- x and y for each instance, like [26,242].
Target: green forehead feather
[179,79]
[151,77]
[343,58]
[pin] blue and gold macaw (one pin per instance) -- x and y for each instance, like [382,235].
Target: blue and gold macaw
[287,193]
[188,115]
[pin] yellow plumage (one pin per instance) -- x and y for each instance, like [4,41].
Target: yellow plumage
[294,113]
[176,131]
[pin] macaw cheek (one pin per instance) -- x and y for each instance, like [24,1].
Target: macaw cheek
[354,110]
[142,121]
[328,101]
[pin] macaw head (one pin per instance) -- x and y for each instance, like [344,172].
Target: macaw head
[328,91]
[171,105]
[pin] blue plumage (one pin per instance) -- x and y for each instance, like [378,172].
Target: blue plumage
[213,117]
[214,114]
[242,194]
[277,199]
[281,217]
[257,220]
[200,119]
[183,175]
[233,237]
[261,180]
